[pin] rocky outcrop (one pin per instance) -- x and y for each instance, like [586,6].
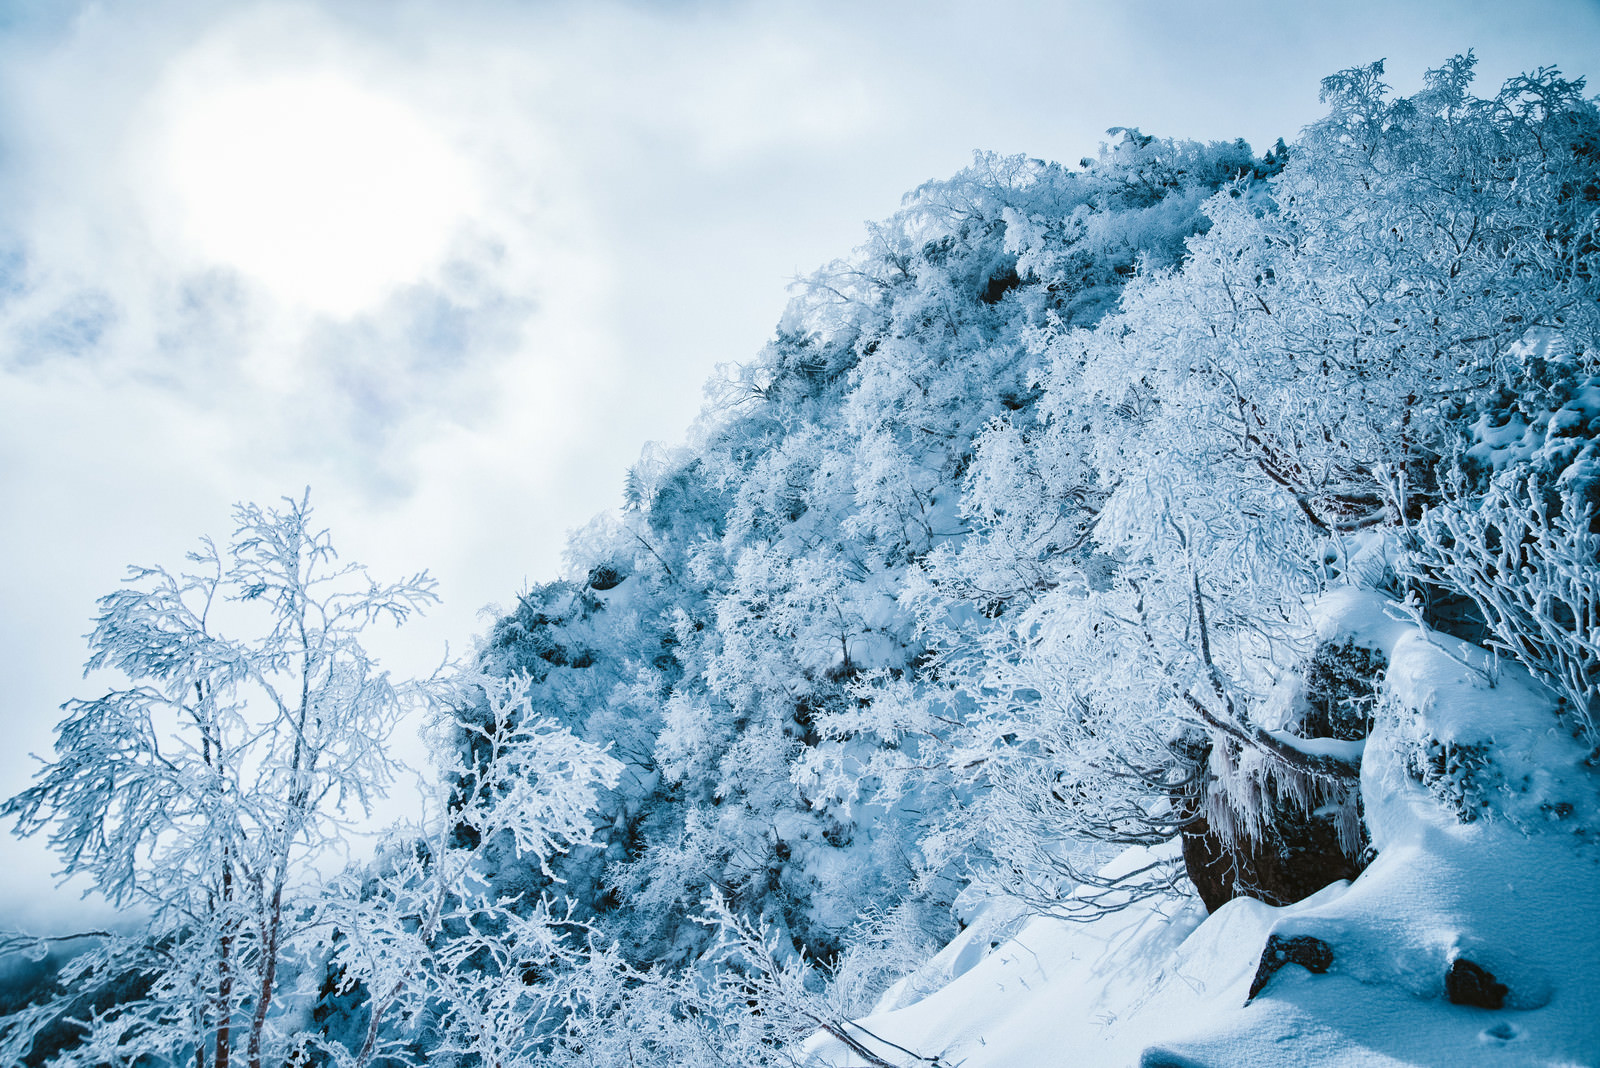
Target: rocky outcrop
[1312,954]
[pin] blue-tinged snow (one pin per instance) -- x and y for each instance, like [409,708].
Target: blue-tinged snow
[1514,890]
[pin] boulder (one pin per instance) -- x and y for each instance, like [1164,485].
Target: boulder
[1312,954]
[1467,983]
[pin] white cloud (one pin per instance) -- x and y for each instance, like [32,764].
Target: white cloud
[326,193]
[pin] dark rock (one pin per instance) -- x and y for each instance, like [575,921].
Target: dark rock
[1299,855]
[1299,848]
[1157,1057]
[1469,984]
[999,284]
[1210,865]
[1312,954]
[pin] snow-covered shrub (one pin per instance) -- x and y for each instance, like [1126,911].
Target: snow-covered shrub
[1519,536]
[1532,567]
[1459,775]
[1341,690]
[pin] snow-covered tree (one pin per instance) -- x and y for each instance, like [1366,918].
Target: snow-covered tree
[210,794]
[205,791]
[1005,553]
[449,965]
[1264,419]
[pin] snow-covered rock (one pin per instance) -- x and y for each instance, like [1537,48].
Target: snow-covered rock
[1489,867]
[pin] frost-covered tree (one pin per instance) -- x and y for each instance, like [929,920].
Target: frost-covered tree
[449,965]
[204,792]
[743,631]
[1264,419]
[1005,552]
[210,793]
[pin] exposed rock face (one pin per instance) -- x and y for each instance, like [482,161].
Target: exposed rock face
[1300,856]
[1467,983]
[1312,954]
[1300,852]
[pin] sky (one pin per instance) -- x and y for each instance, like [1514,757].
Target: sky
[452,264]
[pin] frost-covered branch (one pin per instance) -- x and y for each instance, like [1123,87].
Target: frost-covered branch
[1532,568]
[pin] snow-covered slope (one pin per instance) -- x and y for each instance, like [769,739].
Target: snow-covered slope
[1514,891]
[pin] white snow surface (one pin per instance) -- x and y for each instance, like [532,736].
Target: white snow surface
[1161,985]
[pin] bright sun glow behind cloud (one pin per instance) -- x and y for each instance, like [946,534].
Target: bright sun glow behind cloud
[324,192]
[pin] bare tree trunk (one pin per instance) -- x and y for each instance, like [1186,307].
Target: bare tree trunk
[224,968]
[269,973]
[301,763]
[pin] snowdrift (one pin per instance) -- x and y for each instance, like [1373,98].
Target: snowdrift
[1483,893]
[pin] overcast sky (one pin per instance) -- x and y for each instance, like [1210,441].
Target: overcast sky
[451,264]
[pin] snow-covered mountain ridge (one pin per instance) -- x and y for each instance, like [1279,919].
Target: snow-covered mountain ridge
[1144,611]
[1059,519]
